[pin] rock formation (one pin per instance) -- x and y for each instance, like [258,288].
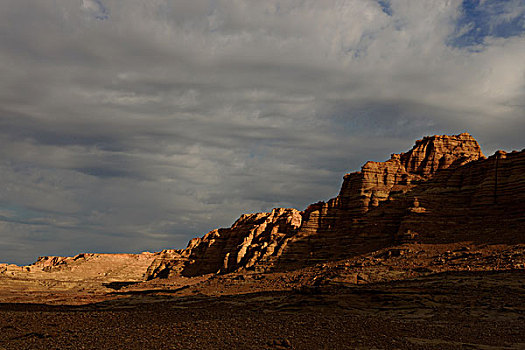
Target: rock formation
[442,190]
[84,278]
[85,266]
[440,207]
[253,239]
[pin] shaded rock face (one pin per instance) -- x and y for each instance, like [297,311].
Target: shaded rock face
[442,190]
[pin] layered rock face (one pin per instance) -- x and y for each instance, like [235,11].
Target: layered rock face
[481,202]
[442,190]
[355,221]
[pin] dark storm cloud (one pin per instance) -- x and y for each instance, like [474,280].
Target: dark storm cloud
[138,125]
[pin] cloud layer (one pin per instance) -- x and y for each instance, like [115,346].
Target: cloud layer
[138,125]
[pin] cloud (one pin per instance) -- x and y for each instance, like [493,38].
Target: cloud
[168,119]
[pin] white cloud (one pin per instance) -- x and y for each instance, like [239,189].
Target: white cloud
[168,118]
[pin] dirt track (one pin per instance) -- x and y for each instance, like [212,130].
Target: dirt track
[444,311]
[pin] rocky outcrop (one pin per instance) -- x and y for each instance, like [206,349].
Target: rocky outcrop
[442,190]
[167,262]
[378,180]
[57,263]
[11,268]
[85,266]
[84,278]
[253,239]
[355,221]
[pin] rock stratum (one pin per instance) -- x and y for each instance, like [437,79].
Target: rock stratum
[443,190]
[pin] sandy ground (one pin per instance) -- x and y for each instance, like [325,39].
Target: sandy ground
[453,310]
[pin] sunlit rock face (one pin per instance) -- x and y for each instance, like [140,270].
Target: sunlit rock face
[442,190]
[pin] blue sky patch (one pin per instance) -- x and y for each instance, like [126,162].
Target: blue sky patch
[482,19]
[385,6]
[96,8]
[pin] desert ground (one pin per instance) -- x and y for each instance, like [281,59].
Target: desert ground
[467,310]
[328,306]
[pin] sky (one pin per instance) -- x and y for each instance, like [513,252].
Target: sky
[129,126]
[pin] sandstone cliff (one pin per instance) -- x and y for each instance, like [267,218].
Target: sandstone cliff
[442,190]
[440,207]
